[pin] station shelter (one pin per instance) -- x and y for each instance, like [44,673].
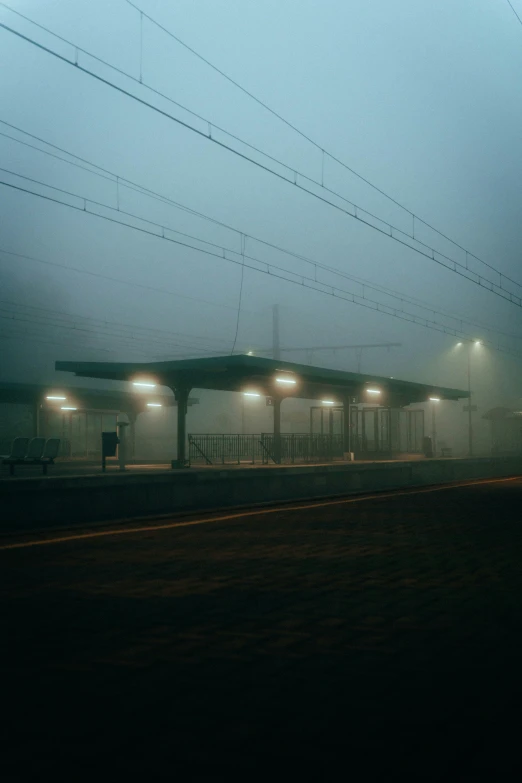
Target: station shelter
[374,419]
[75,415]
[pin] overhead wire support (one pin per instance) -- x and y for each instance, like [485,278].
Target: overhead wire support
[304,135]
[281,274]
[141,47]
[240,293]
[387,229]
[113,177]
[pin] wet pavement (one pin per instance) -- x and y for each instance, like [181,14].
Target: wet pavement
[373,638]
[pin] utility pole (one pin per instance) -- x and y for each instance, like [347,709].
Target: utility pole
[275,351]
[359,359]
[276,346]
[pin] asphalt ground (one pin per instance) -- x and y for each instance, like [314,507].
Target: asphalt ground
[371,638]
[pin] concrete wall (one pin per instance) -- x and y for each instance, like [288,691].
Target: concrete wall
[39,502]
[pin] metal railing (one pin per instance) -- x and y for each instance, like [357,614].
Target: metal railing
[261,448]
[225,449]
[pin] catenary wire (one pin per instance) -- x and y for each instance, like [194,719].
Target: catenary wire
[512,8]
[277,272]
[301,133]
[113,178]
[118,280]
[388,229]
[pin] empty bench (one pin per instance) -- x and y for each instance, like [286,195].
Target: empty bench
[37,451]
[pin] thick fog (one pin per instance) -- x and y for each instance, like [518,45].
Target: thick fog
[423,99]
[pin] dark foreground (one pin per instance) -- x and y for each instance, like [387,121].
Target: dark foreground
[374,639]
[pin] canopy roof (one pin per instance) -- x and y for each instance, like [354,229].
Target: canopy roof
[258,374]
[83,399]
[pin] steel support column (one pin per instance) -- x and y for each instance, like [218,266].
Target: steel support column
[277,429]
[133,416]
[182,395]
[347,425]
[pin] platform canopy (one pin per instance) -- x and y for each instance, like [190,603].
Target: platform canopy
[273,378]
[83,399]
[269,377]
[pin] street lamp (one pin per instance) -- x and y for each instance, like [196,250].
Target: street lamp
[469,343]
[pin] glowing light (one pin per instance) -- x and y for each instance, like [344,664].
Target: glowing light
[458,344]
[478,342]
[55,397]
[327,402]
[144,384]
[251,394]
[373,391]
[250,353]
[434,399]
[68,408]
[154,405]
[286,380]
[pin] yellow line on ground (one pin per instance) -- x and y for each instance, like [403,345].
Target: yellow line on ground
[255,513]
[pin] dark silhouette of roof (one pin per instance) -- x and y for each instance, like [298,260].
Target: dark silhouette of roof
[243,372]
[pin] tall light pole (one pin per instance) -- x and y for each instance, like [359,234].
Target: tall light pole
[434,401]
[469,406]
[470,420]
[276,346]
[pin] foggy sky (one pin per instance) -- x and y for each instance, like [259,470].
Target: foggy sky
[422,98]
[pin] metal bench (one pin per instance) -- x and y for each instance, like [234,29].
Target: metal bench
[52,447]
[17,453]
[38,451]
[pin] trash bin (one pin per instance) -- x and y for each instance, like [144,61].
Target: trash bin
[427,447]
[110,441]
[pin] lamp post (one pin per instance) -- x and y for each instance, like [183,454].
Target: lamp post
[470,420]
[469,406]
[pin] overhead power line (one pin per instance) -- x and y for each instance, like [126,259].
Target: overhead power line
[122,181]
[331,347]
[128,332]
[321,149]
[22,334]
[118,280]
[511,6]
[264,267]
[79,333]
[290,175]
